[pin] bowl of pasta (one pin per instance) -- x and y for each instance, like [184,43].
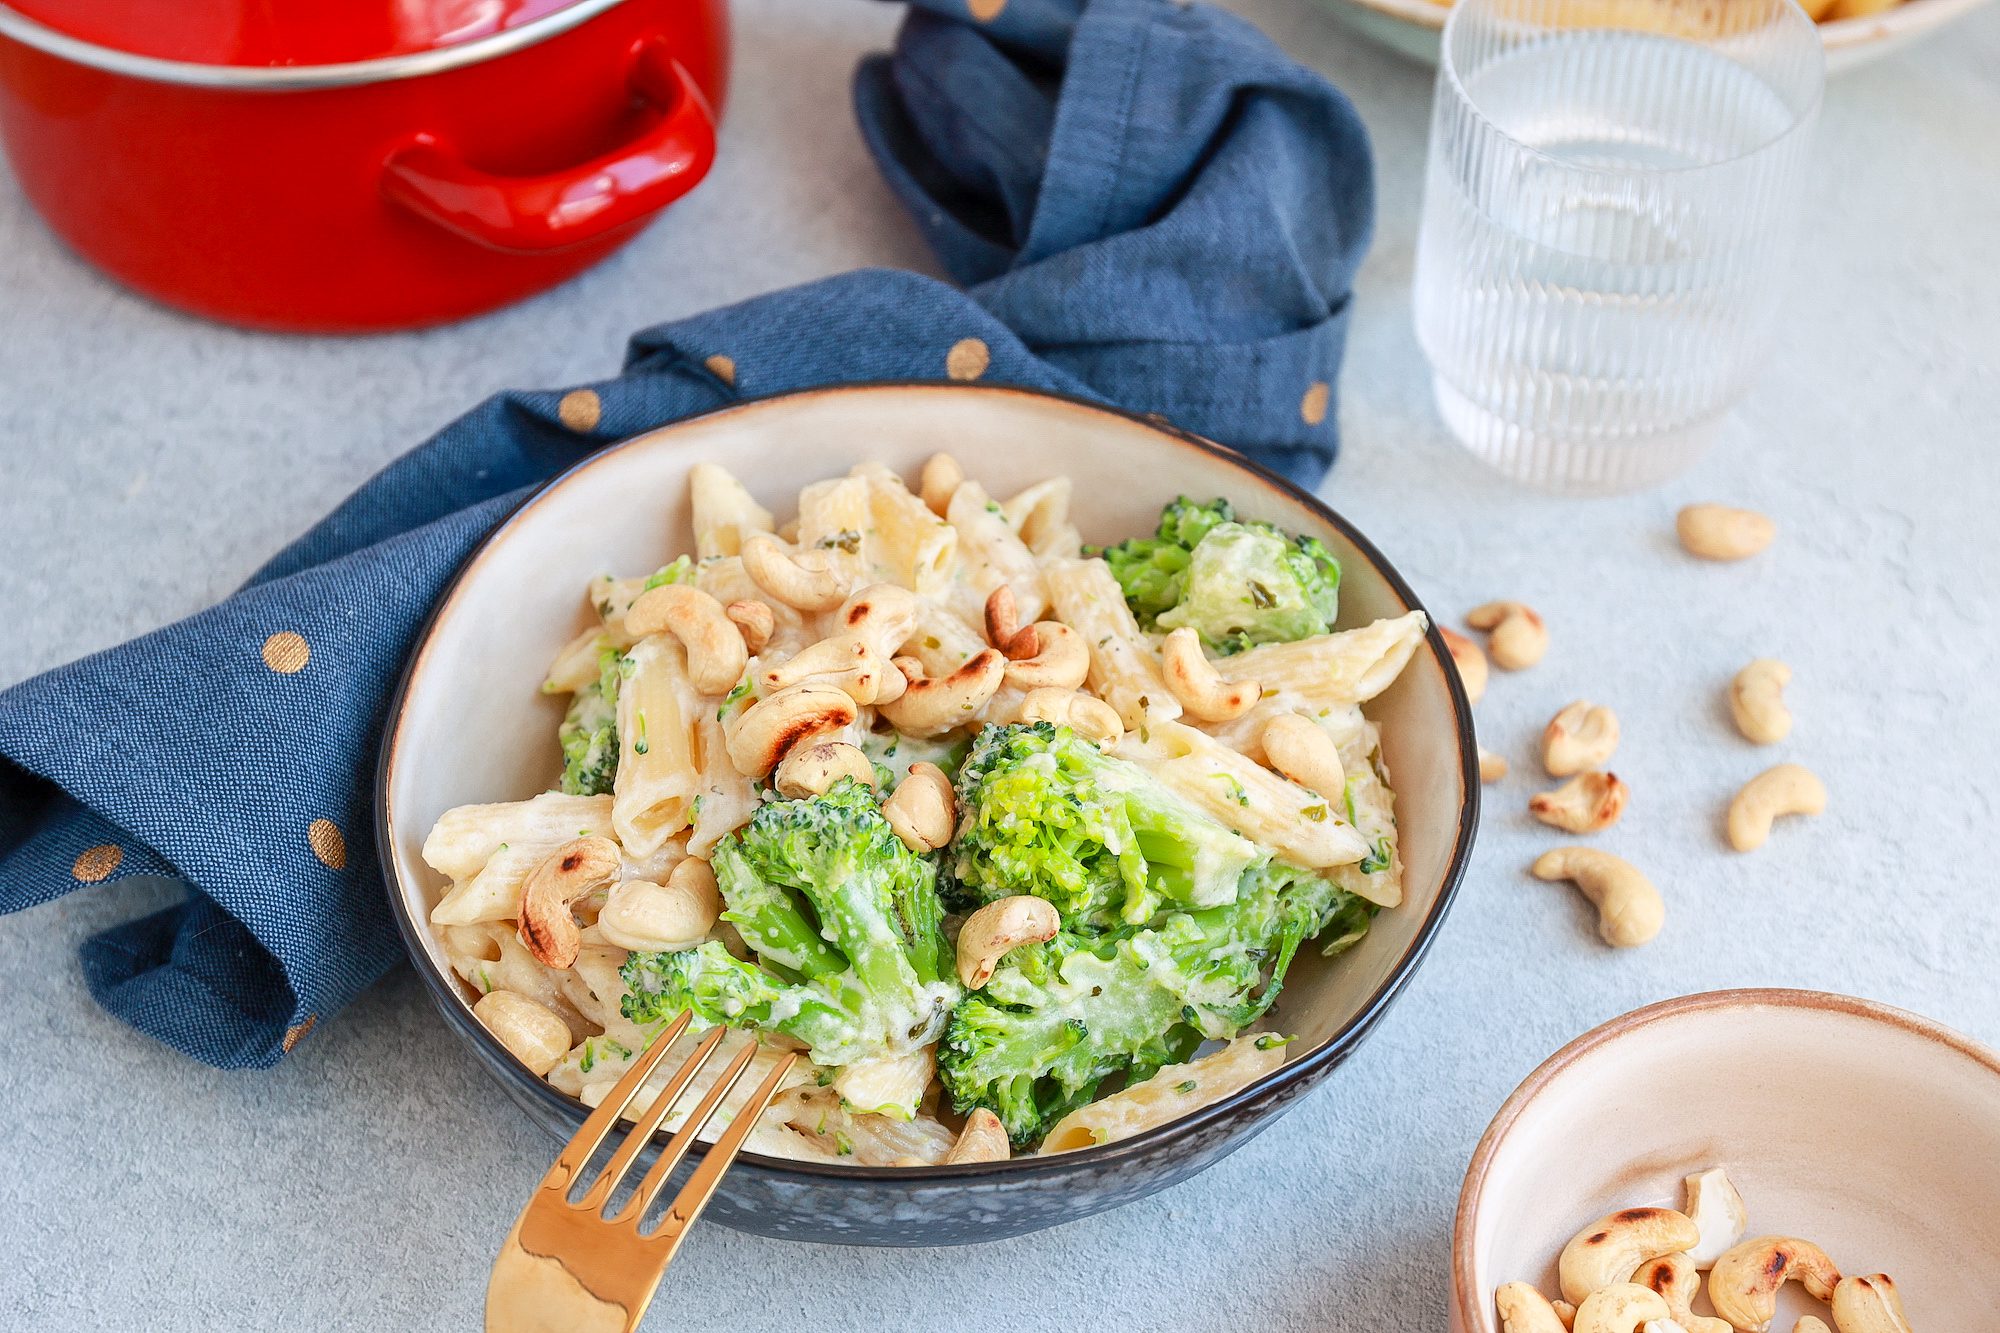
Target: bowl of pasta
[1073,800]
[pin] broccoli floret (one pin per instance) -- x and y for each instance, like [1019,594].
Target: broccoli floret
[1237,583]
[589,734]
[848,925]
[1048,813]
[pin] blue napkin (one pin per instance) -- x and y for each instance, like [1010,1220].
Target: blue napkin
[1143,202]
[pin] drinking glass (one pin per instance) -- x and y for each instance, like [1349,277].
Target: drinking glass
[1613,189]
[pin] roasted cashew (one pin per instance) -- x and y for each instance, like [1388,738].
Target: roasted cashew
[984,1138]
[805,580]
[1757,701]
[885,614]
[754,620]
[716,653]
[844,662]
[998,927]
[1515,638]
[1299,748]
[546,928]
[1525,1310]
[532,1032]
[1810,1324]
[1869,1305]
[1717,532]
[1718,1213]
[1606,1251]
[1193,680]
[932,706]
[1583,735]
[666,917]
[811,770]
[1088,716]
[1003,619]
[1587,803]
[1619,1308]
[1492,767]
[1788,789]
[761,735]
[1678,1282]
[1630,912]
[1565,1312]
[923,809]
[1047,655]
[1470,661]
[1743,1287]
[940,478]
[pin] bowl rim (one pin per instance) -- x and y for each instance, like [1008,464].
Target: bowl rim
[1837,35]
[1474,1308]
[501,1064]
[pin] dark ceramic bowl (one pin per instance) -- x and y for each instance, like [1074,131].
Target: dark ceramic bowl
[469,724]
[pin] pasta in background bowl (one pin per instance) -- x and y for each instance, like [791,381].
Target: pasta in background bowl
[837,895]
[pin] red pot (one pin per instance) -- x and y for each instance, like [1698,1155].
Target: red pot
[348,166]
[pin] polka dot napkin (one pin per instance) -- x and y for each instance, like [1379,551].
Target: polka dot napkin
[1142,201]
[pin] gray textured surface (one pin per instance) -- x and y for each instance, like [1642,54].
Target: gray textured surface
[150,462]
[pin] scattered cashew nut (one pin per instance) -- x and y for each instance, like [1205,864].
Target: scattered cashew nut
[1088,716]
[1678,1282]
[806,580]
[1470,660]
[1000,926]
[1788,789]
[1047,655]
[1718,1212]
[931,706]
[811,770]
[534,1033]
[1583,735]
[1587,803]
[941,476]
[1525,1310]
[1717,532]
[1630,912]
[716,653]
[546,928]
[1619,1308]
[1869,1305]
[1743,1287]
[844,662]
[666,917]
[984,1138]
[923,808]
[1193,680]
[1516,638]
[1300,749]
[1606,1251]
[883,614]
[1810,1324]
[1565,1312]
[1757,701]
[754,620]
[759,738]
[1492,767]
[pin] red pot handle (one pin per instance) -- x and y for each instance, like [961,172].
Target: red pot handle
[576,204]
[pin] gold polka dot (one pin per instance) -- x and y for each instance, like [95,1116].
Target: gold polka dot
[986,10]
[287,653]
[297,1031]
[580,409]
[722,367]
[98,863]
[968,357]
[1312,407]
[323,836]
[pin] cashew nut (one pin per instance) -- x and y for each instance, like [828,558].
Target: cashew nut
[1089,717]
[844,662]
[932,706]
[1301,750]
[716,653]
[1630,912]
[1717,532]
[1565,1312]
[1003,619]
[534,1033]
[1193,680]
[1587,803]
[1525,1310]
[1757,701]
[1583,735]
[1005,924]
[884,614]
[1869,1305]
[923,809]
[1743,1287]
[1492,767]
[1470,661]
[941,476]
[1047,655]
[755,621]
[1606,1251]
[666,917]
[1678,1282]
[1809,1324]
[806,580]
[546,928]
[1619,1308]
[984,1138]
[1718,1212]
[811,770]
[1515,635]
[761,735]
[1788,789]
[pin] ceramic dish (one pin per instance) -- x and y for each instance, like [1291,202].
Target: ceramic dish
[469,724]
[1412,27]
[1868,1131]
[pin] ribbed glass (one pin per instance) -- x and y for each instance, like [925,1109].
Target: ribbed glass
[1613,189]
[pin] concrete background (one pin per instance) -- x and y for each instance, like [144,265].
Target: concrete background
[150,462]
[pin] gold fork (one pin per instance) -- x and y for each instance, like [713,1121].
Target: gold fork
[565,1267]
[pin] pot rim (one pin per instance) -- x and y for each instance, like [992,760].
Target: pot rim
[271,78]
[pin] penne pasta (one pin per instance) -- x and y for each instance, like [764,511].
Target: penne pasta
[723,512]
[1173,1092]
[1346,667]
[658,779]
[1124,668]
